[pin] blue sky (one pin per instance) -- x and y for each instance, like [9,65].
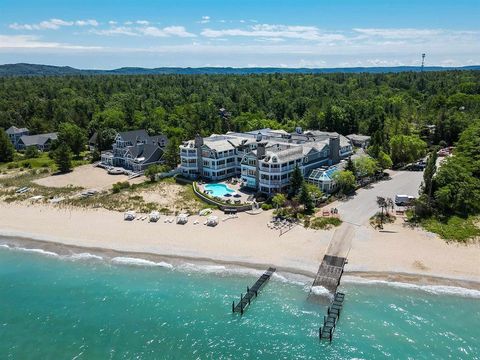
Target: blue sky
[105,34]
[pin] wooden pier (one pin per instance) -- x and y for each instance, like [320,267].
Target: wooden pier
[252,292]
[330,272]
[333,315]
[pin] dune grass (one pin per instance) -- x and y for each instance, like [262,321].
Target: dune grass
[454,228]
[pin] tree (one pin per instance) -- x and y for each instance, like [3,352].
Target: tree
[305,199]
[171,155]
[31,152]
[296,180]
[105,138]
[428,174]
[350,166]
[278,200]
[6,148]
[63,158]
[73,136]
[406,148]
[345,181]
[384,161]
[152,171]
[365,166]
[315,192]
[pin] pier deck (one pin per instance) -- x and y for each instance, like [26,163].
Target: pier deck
[330,320]
[252,292]
[330,272]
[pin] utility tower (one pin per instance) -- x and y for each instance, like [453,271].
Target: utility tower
[423,60]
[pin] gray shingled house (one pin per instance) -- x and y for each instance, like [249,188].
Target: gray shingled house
[135,150]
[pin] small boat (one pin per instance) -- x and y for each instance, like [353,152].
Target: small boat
[205,212]
[129,215]
[154,216]
[212,221]
[116,171]
[182,219]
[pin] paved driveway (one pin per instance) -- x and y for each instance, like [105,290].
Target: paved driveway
[357,210]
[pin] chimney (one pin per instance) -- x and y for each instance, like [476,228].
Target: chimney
[261,150]
[198,141]
[334,145]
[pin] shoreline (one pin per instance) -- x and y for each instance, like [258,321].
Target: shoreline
[401,279]
[400,254]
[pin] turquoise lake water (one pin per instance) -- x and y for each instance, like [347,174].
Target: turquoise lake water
[55,307]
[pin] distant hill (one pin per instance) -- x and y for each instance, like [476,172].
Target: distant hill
[23,69]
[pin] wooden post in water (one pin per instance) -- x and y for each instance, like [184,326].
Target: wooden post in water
[233,306]
[320,333]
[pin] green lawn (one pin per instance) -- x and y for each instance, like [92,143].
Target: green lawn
[454,228]
[42,161]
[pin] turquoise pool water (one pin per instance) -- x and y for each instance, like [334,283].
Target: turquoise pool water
[81,306]
[218,189]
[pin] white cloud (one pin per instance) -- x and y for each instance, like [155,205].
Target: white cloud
[401,33]
[169,31]
[34,42]
[142,22]
[276,31]
[53,24]
[115,30]
[205,19]
[112,22]
[89,22]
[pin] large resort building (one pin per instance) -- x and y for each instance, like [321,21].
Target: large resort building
[264,159]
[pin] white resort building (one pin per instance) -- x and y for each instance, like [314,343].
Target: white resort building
[264,158]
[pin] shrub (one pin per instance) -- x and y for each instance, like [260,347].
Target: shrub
[119,186]
[324,223]
[266,206]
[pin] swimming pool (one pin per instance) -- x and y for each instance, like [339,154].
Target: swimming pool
[218,189]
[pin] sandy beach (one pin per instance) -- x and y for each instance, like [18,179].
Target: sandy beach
[397,254]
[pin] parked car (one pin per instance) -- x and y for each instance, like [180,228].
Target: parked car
[403,200]
[418,166]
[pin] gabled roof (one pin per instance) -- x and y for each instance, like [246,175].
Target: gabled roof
[147,152]
[282,153]
[14,130]
[93,139]
[159,139]
[134,136]
[37,140]
[358,137]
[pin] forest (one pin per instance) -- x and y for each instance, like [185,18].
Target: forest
[381,105]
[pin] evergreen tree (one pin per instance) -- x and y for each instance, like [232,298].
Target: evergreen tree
[6,148]
[296,181]
[171,155]
[350,166]
[63,158]
[428,174]
[306,199]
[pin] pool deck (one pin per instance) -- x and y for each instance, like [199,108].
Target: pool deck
[234,187]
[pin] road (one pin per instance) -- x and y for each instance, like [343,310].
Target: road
[357,210]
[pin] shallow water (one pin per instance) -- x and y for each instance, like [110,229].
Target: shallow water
[84,307]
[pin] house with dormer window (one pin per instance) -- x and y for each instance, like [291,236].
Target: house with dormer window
[135,150]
